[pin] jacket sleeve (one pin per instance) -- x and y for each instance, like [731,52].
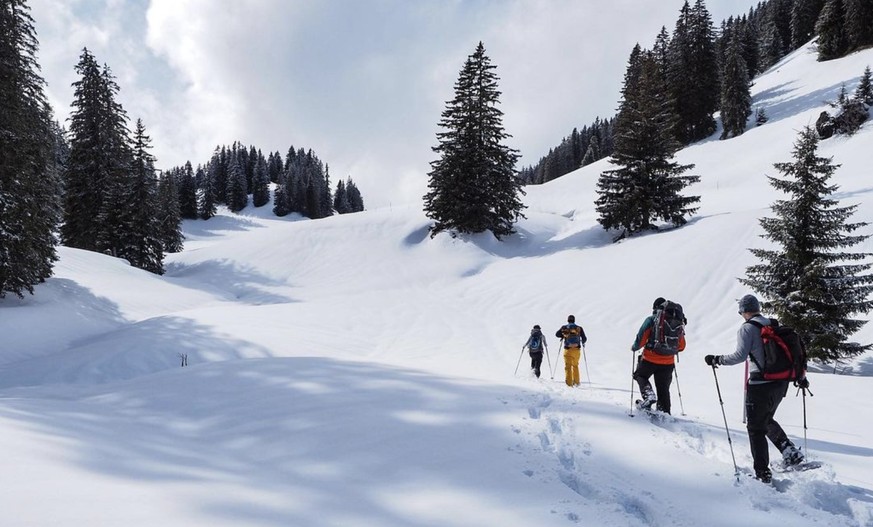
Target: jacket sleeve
[560,333]
[745,339]
[527,343]
[582,338]
[642,335]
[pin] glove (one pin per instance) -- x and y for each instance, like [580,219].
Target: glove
[803,383]
[711,360]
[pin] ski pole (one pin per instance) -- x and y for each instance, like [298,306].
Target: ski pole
[678,389]
[633,360]
[587,375]
[724,416]
[548,360]
[519,361]
[804,413]
[558,358]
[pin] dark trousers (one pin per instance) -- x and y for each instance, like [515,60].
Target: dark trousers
[663,378]
[762,400]
[536,360]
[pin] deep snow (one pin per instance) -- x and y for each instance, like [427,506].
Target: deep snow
[354,371]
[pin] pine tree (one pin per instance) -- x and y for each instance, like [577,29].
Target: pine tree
[341,199]
[646,186]
[187,186]
[29,184]
[356,202]
[693,74]
[864,91]
[99,162]
[260,183]
[804,13]
[141,243]
[830,30]
[206,207]
[237,199]
[809,284]
[473,187]
[169,218]
[859,23]
[736,97]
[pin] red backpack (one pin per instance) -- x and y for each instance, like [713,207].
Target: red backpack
[784,352]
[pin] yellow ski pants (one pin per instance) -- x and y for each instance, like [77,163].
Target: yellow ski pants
[571,365]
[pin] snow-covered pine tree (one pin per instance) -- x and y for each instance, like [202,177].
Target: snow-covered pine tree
[206,207]
[804,13]
[237,198]
[99,160]
[356,201]
[859,23]
[811,282]
[831,32]
[473,185]
[864,91]
[736,96]
[260,182]
[142,245]
[341,199]
[170,221]
[692,74]
[647,185]
[29,183]
[187,186]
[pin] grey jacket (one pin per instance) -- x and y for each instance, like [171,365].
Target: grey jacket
[748,342]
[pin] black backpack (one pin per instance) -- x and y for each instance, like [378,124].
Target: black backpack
[668,328]
[784,353]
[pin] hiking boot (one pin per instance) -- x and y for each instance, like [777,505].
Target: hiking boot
[649,400]
[764,476]
[792,456]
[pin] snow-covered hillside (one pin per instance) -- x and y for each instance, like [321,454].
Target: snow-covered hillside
[354,371]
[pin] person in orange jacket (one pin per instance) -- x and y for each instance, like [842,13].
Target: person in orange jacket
[652,363]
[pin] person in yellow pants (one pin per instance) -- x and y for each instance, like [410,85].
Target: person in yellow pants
[574,338]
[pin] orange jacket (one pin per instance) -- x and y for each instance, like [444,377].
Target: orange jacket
[642,340]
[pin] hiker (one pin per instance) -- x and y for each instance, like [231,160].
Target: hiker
[574,338]
[658,356]
[535,345]
[762,396]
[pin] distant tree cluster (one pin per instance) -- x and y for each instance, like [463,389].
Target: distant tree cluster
[33,151]
[580,148]
[300,183]
[851,112]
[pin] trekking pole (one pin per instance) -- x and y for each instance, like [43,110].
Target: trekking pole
[678,389]
[730,443]
[558,358]
[804,414]
[587,375]
[633,360]
[519,361]
[548,361]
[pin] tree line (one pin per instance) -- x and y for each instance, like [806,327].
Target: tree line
[95,186]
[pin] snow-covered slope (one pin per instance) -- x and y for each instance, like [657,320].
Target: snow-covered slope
[354,371]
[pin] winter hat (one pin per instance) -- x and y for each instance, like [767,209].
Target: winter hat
[571,319]
[658,301]
[536,327]
[749,304]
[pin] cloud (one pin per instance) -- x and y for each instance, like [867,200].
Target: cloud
[362,83]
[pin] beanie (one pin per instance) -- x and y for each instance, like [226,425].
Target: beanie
[749,304]
[571,318]
[657,303]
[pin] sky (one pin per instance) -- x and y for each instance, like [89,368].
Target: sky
[362,83]
[353,371]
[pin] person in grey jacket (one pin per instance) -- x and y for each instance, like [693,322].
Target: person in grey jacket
[762,396]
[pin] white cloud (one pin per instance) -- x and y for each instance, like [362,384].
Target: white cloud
[362,83]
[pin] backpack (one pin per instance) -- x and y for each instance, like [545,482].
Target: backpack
[784,352]
[535,344]
[668,328]
[572,336]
